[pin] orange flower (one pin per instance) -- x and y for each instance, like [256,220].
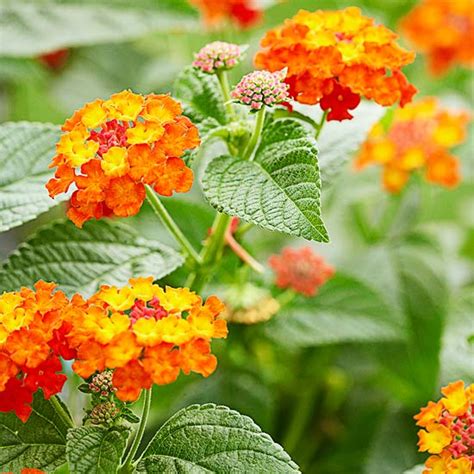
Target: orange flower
[302,270]
[29,356]
[110,149]
[244,13]
[142,333]
[448,431]
[418,138]
[336,57]
[443,30]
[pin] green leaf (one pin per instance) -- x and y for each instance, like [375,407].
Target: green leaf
[26,150]
[418,469]
[424,291]
[31,27]
[103,252]
[95,449]
[39,443]
[209,438]
[457,354]
[338,141]
[200,96]
[344,310]
[279,190]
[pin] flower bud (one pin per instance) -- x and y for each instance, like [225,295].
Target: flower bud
[260,88]
[218,55]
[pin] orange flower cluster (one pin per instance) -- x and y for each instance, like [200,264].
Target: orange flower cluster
[335,57]
[112,148]
[142,333]
[31,328]
[301,270]
[419,138]
[442,29]
[242,12]
[448,431]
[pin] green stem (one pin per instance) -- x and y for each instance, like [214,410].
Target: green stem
[255,135]
[320,125]
[224,83]
[211,253]
[286,297]
[170,224]
[61,411]
[127,464]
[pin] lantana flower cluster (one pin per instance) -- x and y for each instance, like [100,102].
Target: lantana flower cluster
[218,55]
[418,139]
[122,340]
[301,270]
[244,13]
[111,148]
[443,30]
[448,430]
[261,88]
[336,57]
[31,341]
[140,331]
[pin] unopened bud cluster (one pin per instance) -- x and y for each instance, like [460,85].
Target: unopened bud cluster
[218,55]
[260,88]
[104,413]
[101,384]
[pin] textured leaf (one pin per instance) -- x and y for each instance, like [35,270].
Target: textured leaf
[95,449]
[26,150]
[345,310]
[200,96]
[32,27]
[279,190]
[103,252]
[39,443]
[339,141]
[210,438]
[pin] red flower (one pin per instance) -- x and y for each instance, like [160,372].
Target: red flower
[244,14]
[16,397]
[339,102]
[45,376]
[59,343]
[55,59]
[301,270]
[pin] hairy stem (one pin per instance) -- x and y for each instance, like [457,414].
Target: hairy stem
[319,126]
[127,464]
[247,155]
[170,224]
[224,83]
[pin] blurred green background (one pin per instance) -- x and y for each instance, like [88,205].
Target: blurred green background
[338,387]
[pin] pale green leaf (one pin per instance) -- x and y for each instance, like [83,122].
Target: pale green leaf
[210,438]
[344,310]
[96,449]
[26,149]
[39,443]
[200,96]
[339,141]
[32,27]
[103,252]
[279,190]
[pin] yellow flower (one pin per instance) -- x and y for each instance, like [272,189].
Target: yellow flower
[456,401]
[144,132]
[175,330]
[94,114]
[125,105]
[148,332]
[412,159]
[143,288]
[429,414]
[119,299]
[435,439]
[75,148]
[162,109]
[176,300]
[114,162]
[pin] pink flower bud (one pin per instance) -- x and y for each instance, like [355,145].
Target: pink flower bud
[218,55]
